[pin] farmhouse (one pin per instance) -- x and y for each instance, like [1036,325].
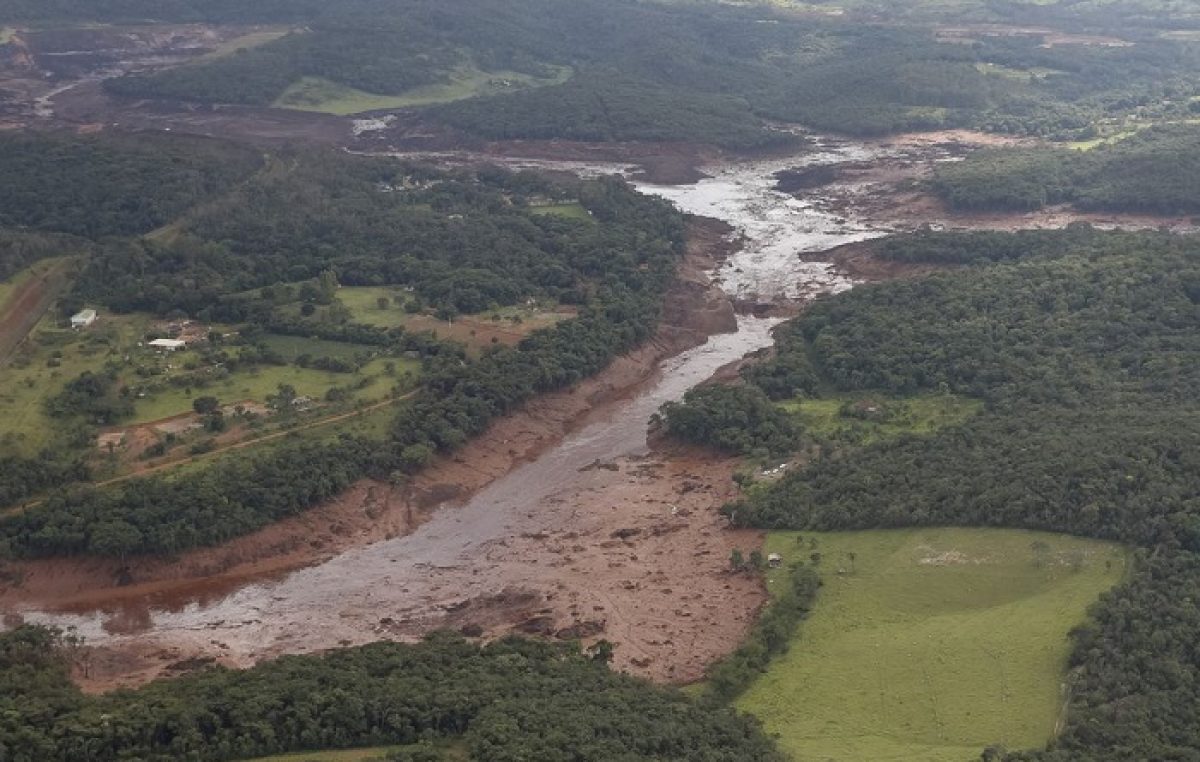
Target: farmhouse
[169,345]
[83,319]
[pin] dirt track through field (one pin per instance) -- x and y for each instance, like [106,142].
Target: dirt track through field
[27,306]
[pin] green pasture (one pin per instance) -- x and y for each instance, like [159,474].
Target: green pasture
[55,355]
[259,383]
[449,753]
[573,210]
[922,414]
[363,303]
[243,42]
[30,379]
[930,644]
[323,95]
[292,347]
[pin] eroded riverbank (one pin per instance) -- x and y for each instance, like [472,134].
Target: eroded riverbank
[595,536]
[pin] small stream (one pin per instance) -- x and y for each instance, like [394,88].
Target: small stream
[339,601]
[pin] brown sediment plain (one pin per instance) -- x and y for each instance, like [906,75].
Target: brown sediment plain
[373,511]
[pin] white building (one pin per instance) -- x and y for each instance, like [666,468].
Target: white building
[83,319]
[169,345]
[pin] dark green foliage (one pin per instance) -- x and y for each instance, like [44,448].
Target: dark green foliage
[456,239]
[511,700]
[771,636]
[463,241]
[1086,348]
[372,59]
[737,419]
[20,249]
[110,186]
[1156,171]
[94,397]
[606,105]
[697,71]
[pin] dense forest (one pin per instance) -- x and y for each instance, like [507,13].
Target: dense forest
[1156,171]
[686,71]
[120,185]
[1085,348]
[458,242]
[508,701]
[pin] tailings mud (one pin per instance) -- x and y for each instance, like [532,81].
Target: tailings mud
[595,536]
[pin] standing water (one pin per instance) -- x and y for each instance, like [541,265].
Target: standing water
[339,601]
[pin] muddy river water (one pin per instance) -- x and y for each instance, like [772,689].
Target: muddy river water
[341,600]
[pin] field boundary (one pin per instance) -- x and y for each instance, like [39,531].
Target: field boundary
[27,306]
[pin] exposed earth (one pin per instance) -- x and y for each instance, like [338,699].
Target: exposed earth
[561,520]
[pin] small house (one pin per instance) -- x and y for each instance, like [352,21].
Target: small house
[169,345]
[83,319]
[774,560]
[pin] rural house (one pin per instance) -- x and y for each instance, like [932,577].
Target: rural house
[83,319]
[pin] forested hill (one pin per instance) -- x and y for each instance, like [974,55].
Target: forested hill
[509,701]
[265,253]
[625,70]
[1084,348]
[1157,171]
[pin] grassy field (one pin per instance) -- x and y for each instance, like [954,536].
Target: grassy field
[316,94]
[363,303]
[56,355]
[504,325]
[573,210]
[451,753]
[912,415]
[930,644]
[7,34]
[244,42]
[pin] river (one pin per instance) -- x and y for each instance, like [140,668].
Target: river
[340,601]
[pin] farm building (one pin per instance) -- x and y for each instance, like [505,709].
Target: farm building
[169,345]
[83,318]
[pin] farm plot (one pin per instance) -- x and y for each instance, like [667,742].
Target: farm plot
[383,306]
[930,644]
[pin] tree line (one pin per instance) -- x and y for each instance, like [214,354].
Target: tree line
[507,701]
[1084,347]
[1154,171]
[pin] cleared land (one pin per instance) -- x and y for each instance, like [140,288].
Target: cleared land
[930,644]
[864,418]
[373,754]
[504,325]
[243,42]
[325,96]
[25,298]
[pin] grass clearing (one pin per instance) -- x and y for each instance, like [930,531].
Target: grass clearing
[325,96]
[244,42]
[503,325]
[866,418]
[573,210]
[448,752]
[7,34]
[930,644]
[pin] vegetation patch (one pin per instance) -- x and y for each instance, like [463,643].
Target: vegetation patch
[863,418]
[929,644]
[441,752]
[508,701]
[323,95]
